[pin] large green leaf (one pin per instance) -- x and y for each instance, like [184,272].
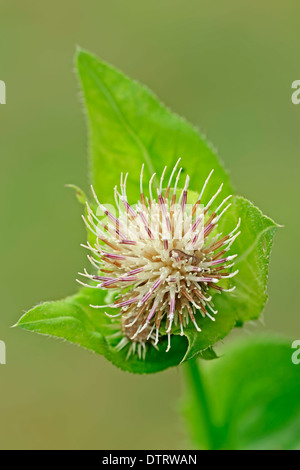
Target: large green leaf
[74,320]
[252,395]
[128,126]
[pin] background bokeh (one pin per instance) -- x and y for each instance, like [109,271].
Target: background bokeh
[226,66]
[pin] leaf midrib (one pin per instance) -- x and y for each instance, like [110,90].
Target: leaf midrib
[114,105]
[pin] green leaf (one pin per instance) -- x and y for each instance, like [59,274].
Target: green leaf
[253,395]
[74,320]
[128,126]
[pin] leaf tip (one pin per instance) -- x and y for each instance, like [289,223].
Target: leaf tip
[78,50]
[82,56]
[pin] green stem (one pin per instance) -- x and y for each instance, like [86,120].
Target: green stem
[202,412]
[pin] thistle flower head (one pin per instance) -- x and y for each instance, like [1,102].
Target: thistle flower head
[163,257]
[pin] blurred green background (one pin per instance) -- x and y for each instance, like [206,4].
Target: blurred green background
[228,68]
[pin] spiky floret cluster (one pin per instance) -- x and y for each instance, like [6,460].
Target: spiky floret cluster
[163,257]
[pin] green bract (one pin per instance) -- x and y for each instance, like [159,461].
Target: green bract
[128,126]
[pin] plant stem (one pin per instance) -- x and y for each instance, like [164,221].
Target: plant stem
[202,412]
